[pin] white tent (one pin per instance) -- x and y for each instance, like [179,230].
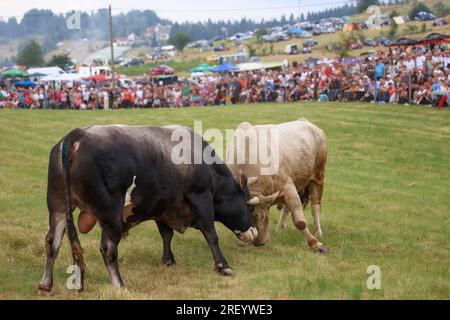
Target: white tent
[63,77]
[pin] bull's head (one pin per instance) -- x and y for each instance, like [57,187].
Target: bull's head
[262,206]
[233,210]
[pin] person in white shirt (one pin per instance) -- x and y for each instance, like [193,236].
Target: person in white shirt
[420,59]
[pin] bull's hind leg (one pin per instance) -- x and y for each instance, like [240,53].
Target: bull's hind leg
[203,210]
[294,204]
[316,190]
[166,234]
[111,235]
[58,224]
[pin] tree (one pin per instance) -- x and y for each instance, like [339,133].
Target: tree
[364,4]
[154,42]
[418,8]
[260,33]
[392,31]
[31,55]
[441,10]
[180,40]
[60,60]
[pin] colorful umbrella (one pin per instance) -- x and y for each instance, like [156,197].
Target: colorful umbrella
[202,68]
[15,73]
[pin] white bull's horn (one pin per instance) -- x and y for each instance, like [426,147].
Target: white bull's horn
[252,180]
[254,201]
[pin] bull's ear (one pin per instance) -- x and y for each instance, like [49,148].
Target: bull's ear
[270,199]
[242,179]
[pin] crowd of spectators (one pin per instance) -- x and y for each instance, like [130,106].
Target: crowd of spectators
[413,75]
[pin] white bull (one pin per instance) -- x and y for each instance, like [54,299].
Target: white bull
[298,152]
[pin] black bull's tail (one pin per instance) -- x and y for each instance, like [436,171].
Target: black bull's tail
[77,250]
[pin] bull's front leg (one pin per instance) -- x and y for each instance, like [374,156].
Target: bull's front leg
[166,234]
[294,204]
[203,210]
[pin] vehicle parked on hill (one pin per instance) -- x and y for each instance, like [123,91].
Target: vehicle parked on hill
[316,32]
[355,45]
[424,16]
[370,42]
[306,50]
[309,43]
[440,22]
[291,49]
[134,62]
[384,41]
[162,70]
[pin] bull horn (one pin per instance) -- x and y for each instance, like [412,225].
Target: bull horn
[252,180]
[254,201]
[270,199]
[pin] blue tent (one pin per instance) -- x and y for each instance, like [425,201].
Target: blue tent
[25,83]
[224,68]
[296,31]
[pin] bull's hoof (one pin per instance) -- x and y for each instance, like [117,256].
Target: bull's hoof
[168,262]
[324,250]
[226,272]
[44,289]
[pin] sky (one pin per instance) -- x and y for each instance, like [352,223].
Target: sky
[177,10]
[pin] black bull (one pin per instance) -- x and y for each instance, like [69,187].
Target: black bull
[94,168]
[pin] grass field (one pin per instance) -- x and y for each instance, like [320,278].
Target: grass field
[386,202]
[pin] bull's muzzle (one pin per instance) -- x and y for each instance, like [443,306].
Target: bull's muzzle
[248,236]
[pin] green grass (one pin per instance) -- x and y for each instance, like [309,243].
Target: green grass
[178,66]
[386,202]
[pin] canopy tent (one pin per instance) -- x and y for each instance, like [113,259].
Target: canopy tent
[224,68]
[201,68]
[251,66]
[25,83]
[36,75]
[296,31]
[433,38]
[272,65]
[62,77]
[14,73]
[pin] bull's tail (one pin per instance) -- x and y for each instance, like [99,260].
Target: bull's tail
[77,250]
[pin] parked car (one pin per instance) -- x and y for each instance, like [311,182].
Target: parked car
[370,42]
[424,16]
[328,30]
[310,43]
[305,35]
[316,32]
[356,45]
[134,62]
[291,49]
[162,70]
[384,41]
[219,48]
[440,22]
[386,22]
[306,50]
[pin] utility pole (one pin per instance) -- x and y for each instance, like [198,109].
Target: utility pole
[111,42]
